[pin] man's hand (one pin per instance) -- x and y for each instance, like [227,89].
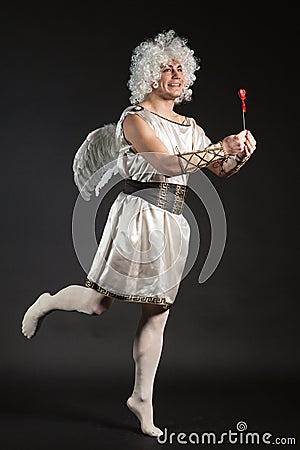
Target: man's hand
[242,144]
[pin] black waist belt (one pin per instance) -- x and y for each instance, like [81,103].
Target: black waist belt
[168,196]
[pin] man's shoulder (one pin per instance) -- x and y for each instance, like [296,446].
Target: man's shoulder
[196,124]
[133,108]
[137,108]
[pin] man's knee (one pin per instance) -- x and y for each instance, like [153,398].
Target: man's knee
[156,315]
[104,305]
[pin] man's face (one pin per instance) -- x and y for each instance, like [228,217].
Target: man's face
[170,85]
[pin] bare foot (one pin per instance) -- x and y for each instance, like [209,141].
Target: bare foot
[32,317]
[143,411]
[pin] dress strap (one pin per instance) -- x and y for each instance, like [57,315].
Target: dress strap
[130,110]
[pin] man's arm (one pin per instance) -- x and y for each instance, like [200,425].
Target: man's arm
[143,140]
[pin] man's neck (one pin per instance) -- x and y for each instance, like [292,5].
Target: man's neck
[160,106]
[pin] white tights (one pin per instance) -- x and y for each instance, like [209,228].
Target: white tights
[147,346]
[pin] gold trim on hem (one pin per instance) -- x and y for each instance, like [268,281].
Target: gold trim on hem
[161,301]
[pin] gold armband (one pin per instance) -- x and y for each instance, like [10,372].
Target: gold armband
[201,158]
[239,164]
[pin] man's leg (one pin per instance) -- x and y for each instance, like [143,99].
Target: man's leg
[71,298]
[147,350]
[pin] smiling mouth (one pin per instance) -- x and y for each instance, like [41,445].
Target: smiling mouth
[174,84]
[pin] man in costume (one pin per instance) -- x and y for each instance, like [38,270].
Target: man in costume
[144,245]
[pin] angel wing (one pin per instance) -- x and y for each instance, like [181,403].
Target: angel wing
[95,161]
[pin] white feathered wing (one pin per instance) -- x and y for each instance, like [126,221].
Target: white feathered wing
[95,162]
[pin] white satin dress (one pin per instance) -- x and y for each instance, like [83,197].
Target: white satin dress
[143,249]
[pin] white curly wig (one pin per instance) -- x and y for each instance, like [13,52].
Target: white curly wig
[148,58]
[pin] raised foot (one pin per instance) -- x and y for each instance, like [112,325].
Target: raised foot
[33,316]
[144,413]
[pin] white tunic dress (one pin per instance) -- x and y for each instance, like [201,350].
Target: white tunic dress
[143,248]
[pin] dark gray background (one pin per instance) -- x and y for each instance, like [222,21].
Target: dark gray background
[231,344]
